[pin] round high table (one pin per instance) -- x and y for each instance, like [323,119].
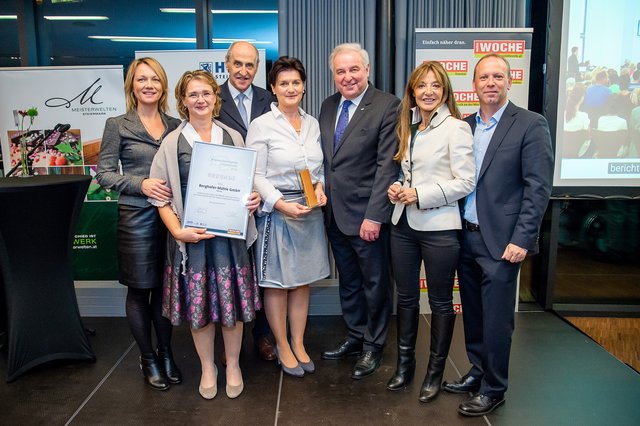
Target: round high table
[37,219]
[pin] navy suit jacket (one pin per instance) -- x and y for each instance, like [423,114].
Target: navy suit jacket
[229,115]
[515,180]
[359,173]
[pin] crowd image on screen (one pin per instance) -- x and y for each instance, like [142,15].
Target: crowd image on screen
[602,110]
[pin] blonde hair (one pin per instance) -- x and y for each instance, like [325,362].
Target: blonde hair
[181,91]
[132,101]
[403,128]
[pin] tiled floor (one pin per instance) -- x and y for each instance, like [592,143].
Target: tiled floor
[559,376]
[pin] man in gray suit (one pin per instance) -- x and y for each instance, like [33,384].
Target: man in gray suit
[357,126]
[241,103]
[502,217]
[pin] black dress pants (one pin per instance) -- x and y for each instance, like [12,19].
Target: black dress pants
[488,294]
[364,285]
[438,250]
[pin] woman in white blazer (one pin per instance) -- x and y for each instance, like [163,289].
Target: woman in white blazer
[438,169]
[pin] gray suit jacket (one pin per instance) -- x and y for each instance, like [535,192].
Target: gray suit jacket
[229,114]
[358,174]
[125,140]
[515,180]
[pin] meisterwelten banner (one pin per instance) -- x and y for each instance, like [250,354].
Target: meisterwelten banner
[458,50]
[82,98]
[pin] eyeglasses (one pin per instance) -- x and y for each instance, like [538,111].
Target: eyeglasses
[195,95]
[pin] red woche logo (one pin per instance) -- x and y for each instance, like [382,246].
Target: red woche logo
[469,96]
[517,74]
[501,47]
[455,66]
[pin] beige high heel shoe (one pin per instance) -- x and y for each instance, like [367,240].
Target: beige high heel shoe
[235,391]
[212,391]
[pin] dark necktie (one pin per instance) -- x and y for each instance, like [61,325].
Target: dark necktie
[343,122]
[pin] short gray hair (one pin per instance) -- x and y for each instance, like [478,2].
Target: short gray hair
[349,47]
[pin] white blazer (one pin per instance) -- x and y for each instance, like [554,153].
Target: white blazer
[441,167]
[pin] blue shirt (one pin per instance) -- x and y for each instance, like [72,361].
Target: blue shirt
[481,138]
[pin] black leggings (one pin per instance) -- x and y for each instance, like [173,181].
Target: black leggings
[144,306]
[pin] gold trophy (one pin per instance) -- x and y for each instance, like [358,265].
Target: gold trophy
[307,188]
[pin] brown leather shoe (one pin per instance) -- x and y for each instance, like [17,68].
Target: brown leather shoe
[265,348]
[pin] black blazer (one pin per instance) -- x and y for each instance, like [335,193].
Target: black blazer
[515,180]
[229,115]
[358,175]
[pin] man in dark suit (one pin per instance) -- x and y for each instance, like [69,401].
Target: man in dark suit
[242,64]
[502,219]
[358,142]
[239,97]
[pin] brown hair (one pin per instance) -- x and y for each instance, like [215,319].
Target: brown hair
[403,128]
[181,91]
[132,101]
[286,63]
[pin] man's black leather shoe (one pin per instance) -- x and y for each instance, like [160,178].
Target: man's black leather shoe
[346,348]
[467,383]
[479,405]
[367,363]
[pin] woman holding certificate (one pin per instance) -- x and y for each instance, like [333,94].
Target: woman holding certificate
[292,246]
[207,280]
[131,140]
[438,169]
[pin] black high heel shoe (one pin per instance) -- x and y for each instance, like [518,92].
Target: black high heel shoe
[153,373]
[165,357]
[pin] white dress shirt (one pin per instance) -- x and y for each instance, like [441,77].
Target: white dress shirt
[282,153]
[248,98]
[352,108]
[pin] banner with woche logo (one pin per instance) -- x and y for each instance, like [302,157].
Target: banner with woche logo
[82,98]
[176,62]
[459,50]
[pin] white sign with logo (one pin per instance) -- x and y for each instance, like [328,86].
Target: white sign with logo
[176,62]
[83,97]
[459,49]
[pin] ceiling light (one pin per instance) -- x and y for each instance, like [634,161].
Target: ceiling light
[176,10]
[217,11]
[136,39]
[225,12]
[8,16]
[76,18]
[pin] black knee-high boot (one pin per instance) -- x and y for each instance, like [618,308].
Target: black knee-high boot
[441,334]
[407,333]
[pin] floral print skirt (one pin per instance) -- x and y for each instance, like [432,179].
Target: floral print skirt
[219,284]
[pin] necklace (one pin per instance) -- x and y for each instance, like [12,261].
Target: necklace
[295,122]
[153,124]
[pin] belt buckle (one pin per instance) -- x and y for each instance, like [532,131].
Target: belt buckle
[471,226]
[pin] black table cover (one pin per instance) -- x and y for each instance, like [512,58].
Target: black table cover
[37,219]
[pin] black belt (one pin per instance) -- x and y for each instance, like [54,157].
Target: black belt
[470,226]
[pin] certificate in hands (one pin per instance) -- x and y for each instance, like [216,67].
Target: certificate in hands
[220,182]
